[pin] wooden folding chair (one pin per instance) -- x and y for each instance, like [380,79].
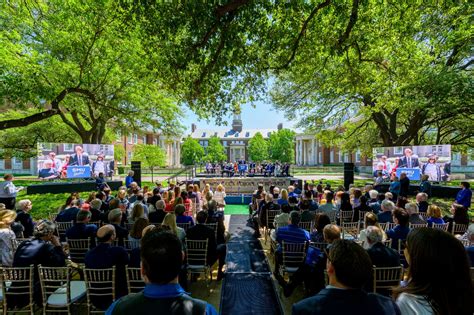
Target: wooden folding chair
[293,256]
[306,225]
[441,226]
[386,278]
[17,284]
[271,214]
[78,249]
[62,227]
[416,226]
[459,229]
[346,216]
[350,230]
[100,286]
[196,258]
[184,226]
[332,216]
[135,282]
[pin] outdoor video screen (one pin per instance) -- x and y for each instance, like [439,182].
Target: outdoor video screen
[74,160]
[416,161]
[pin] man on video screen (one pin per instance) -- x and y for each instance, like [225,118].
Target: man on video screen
[80,158]
[409,161]
[48,171]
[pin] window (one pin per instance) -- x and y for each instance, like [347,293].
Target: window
[470,155]
[129,154]
[118,136]
[397,150]
[247,134]
[456,158]
[46,146]
[339,156]
[68,147]
[203,135]
[346,157]
[215,134]
[17,163]
[144,139]
[135,138]
[2,164]
[236,134]
[224,143]
[268,134]
[155,141]
[130,138]
[357,157]
[331,156]
[320,157]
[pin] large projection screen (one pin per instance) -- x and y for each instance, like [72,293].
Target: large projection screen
[74,160]
[416,161]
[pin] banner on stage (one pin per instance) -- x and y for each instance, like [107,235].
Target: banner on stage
[78,171]
[243,167]
[431,161]
[74,160]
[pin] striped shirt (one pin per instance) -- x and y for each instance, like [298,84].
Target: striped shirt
[292,234]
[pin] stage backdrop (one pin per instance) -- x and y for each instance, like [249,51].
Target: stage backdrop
[415,161]
[73,160]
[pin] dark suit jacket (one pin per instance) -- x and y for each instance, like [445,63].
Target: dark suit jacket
[75,161]
[352,301]
[200,232]
[404,187]
[157,216]
[382,256]
[404,162]
[122,233]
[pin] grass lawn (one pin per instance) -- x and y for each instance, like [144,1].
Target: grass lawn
[237,209]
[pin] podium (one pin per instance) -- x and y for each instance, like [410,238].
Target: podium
[77,171]
[413,173]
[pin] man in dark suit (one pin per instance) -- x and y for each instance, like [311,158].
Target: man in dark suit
[215,252]
[115,218]
[408,160]
[79,158]
[349,268]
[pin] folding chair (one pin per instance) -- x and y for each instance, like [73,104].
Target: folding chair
[17,284]
[401,252]
[196,258]
[78,249]
[416,226]
[459,228]
[100,286]
[135,282]
[293,256]
[184,226]
[362,215]
[386,278]
[271,214]
[321,246]
[387,243]
[346,216]
[129,245]
[442,226]
[423,215]
[16,242]
[350,230]
[58,290]
[62,227]
[387,226]
[306,225]
[332,216]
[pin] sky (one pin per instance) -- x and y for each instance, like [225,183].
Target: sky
[263,116]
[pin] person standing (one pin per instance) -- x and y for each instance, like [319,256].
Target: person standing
[7,217]
[8,192]
[24,217]
[408,160]
[55,162]
[463,197]
[404,185]
[80,158]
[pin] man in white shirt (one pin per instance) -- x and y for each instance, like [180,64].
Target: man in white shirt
[55,163]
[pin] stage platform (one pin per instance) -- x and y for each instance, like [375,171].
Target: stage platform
[67,187]
[246,185]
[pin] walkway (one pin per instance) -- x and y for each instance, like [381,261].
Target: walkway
[248,287]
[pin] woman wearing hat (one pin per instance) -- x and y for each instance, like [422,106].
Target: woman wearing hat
[7,217]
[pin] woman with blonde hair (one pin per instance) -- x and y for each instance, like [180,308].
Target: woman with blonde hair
[7,217]
[137,231]
[219,195]
[434,215]
[198,197]
[207,197]
[138,212]
[369,220]
[122,198]
[283,200]
[170,221]
[206,189]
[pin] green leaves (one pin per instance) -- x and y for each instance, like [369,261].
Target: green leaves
[191,151]
[215,151]
[258,148]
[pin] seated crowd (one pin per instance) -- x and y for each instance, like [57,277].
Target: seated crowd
[349,235]
[132,230]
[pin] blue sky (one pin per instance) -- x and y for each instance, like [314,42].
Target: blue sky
[262,116]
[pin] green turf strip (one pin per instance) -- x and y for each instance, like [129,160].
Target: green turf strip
[236,209]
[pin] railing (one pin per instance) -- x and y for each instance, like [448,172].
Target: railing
[189,172]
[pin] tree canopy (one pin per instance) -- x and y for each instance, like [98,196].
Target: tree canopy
[191,151]
[215,151]
[281,146]
[150,155]
[258,148]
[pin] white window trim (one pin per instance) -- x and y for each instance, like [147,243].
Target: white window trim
[130,138]
[65,149]
[397,150]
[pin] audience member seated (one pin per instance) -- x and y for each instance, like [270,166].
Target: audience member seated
[136,232]
[7,217]
[282,218]
[70,212]
[135,252]
[162,257]
[370,220]
[434,215]
[153,199]
[308,203]
[158,215]
[104,256]
[458,215]
[328,206]
[138,212]
[363,206]
[386,215]
[170,222]
[214,216]
[320,221]
[201,232]
[414,216]
[24,217]
[292,192]
[95,209]
[439,277]
[262,214]
[283,200]
[375,202]
[179,210]
[290,234]
[395,187]
[103,197]
[349,269]
[401,229]
[421,201]
[219,196]
[115,219]
[81,229]
[470,248]
[44,249]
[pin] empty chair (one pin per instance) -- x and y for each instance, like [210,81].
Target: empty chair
[58,290]
[424,215]
[442,226]
[306,225]
[271,214]
[135,282]
[386,278]
[350,230]
[293,255]
[100,289]
[321,246]
[78,249]
[346,216]
[196,257]
[17,289]
[459,228]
